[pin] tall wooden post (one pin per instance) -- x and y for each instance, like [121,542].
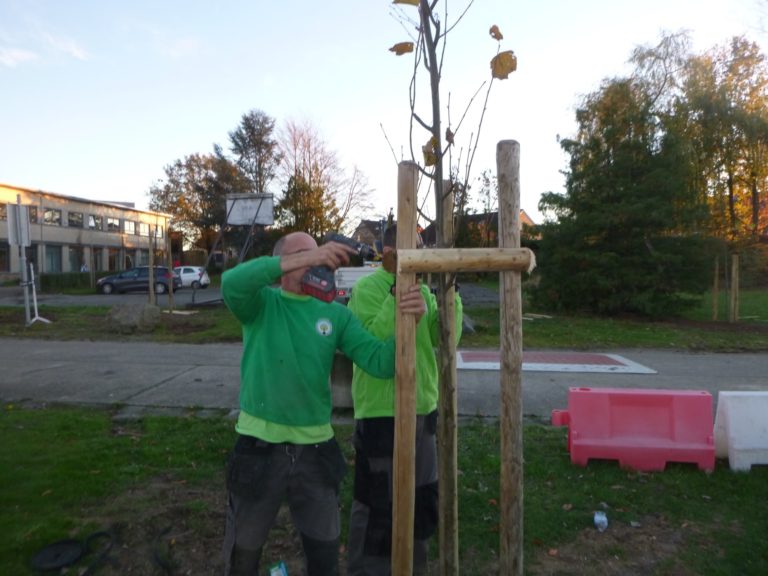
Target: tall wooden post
[404,467]
[733,308]
[448,528]
[511,339]
[716,289]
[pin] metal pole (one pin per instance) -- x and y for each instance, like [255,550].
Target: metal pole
[23,261]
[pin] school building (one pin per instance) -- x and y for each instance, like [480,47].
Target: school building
[69,234]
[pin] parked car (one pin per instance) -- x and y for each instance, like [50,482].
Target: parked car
[137,280]
[193,276]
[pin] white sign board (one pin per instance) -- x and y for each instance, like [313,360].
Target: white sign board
[247,209]
[18,225]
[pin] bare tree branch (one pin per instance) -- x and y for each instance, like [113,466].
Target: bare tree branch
[388,142]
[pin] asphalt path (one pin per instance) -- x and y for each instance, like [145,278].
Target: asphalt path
[145,376]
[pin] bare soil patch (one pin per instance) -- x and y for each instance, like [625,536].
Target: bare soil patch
[166,527]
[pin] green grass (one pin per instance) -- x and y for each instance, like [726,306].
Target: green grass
[55,463]
[573,332]
[58,463]
[692,331]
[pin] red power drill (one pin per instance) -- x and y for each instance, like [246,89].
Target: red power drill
[320,281]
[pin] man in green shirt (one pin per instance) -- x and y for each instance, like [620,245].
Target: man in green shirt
[285,448]
[370,524]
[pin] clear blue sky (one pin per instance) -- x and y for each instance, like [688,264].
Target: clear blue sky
[97,97]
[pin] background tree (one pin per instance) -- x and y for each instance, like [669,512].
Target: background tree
[256,150]
[307,208]
[194,192]
[622,240]
[318,197]
[725,106]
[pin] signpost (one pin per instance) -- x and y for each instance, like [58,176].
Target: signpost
[18,235]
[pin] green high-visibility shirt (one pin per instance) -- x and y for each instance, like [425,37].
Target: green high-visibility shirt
[373,303]
[289,344]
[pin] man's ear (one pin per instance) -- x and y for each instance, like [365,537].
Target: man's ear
[390,261]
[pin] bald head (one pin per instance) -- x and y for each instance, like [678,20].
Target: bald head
[291,244]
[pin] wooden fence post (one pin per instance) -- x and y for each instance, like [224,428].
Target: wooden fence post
[511,339]
[403,475]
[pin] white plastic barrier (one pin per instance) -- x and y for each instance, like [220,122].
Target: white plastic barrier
[741,428]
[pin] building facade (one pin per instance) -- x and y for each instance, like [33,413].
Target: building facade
[70,234]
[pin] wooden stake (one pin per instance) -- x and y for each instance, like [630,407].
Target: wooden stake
[716,289]
[465,259]
[448,525]
[733,309]
[511,483]
[404,466]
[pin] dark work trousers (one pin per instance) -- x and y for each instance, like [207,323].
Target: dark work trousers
[370,523]
[260,477]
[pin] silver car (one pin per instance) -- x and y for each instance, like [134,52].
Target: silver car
[192,276]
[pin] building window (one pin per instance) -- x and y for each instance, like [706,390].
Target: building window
[3,212]
[95,222]
[158,231]
[113,225]
[52,216]
[129,227]
[113,258]
[143,229]
[142,257]
[96,259]
[31,253]
[52,258]
[32,214]
[5,257]
[75,219]
[77,261]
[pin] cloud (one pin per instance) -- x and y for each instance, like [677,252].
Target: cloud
[12,57]
[67,46]
[181,47]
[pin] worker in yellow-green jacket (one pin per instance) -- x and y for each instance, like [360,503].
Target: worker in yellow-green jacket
[370,527]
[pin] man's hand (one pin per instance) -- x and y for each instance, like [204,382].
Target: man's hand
[331,254]
[411,302]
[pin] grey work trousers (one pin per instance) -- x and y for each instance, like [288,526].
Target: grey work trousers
[359,562]
[260,477]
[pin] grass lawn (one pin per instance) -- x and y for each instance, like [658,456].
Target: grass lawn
[693,331]
[157,485]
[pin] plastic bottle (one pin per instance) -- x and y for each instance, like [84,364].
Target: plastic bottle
[601,521]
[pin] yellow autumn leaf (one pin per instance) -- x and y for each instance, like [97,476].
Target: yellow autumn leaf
[411,2]
[428,150]
[503,64]
[496,33]
[402,48]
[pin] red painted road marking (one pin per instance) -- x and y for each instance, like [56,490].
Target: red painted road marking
[553,361]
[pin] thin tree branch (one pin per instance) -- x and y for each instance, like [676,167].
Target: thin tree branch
[388,142]
[420,121]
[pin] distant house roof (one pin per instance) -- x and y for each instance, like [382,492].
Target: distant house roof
[492,218]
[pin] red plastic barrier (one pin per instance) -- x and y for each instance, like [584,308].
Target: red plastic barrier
[642,429]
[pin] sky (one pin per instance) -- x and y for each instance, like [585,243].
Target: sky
[96,98]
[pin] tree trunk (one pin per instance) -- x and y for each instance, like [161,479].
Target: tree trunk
[448,411]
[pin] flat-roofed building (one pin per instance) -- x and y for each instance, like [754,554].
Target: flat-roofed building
[70,234]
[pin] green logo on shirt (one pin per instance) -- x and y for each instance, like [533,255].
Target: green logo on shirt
[324,327]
